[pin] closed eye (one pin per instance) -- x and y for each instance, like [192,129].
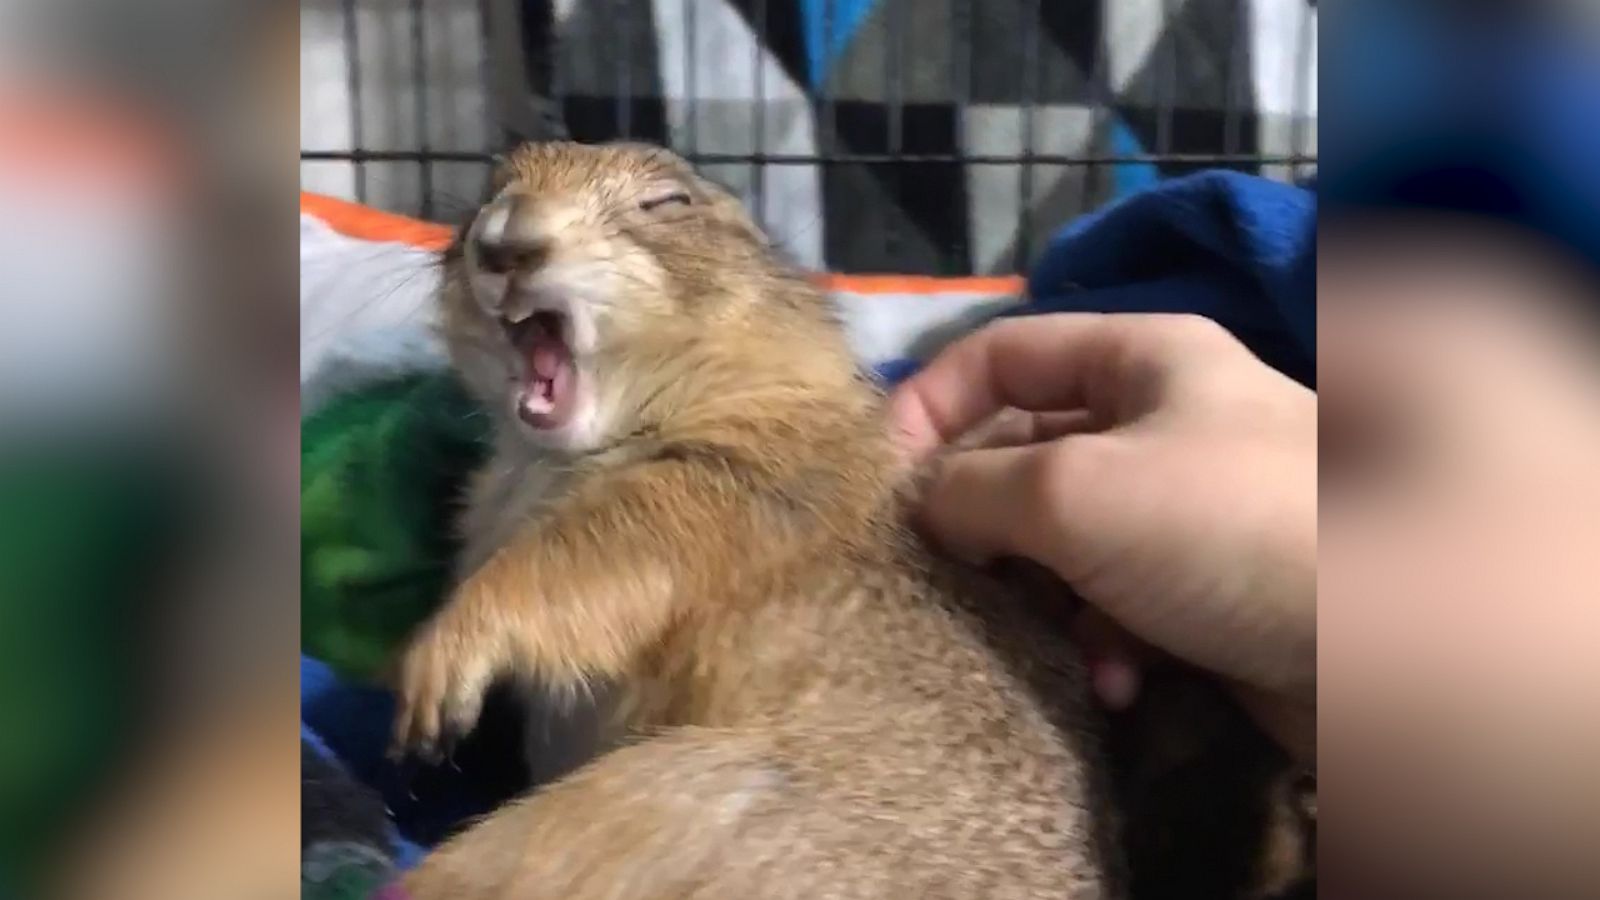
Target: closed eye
[659,201]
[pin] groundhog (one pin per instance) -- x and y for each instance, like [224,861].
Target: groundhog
[694,504]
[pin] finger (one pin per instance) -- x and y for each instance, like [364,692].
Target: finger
[1116,682]
[1027,501]
[1012,427]
[1114,657]
[974,501]
[1038,363]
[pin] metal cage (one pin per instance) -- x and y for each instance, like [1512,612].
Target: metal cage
[880,156]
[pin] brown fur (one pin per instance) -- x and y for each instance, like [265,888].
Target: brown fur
[820,707]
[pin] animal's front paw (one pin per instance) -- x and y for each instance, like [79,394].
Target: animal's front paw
[442,679]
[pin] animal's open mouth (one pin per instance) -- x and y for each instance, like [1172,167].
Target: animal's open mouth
[546,397]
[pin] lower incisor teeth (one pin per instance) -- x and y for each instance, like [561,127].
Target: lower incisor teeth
[535,402]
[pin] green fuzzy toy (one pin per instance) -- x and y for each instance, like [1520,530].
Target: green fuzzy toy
[383,470]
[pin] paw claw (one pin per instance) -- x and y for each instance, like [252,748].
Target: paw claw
[447,749]
[442,679]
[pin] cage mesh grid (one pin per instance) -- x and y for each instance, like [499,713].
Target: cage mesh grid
[529,77]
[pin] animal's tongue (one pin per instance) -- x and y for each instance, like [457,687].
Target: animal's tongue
[546,357]
[546,398]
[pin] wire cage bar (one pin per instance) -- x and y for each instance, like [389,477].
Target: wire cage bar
[939,136]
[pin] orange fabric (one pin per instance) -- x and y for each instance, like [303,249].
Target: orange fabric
[366,223]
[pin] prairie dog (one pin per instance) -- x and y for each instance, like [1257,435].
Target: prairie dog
[693,499]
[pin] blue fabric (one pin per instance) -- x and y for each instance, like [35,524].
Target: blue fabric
[351,723]
[895,371]
[1237,249]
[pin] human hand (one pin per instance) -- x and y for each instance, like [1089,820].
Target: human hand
[1157,467]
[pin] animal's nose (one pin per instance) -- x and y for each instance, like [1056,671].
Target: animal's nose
[510,237]
[512,256]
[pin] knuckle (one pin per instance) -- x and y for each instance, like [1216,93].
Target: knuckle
[1043,470]
[1067,464]
[1193,330]
[1070,469]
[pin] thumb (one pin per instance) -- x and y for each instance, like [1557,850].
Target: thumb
[1032,501]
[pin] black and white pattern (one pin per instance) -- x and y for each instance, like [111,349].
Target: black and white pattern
[926,136]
